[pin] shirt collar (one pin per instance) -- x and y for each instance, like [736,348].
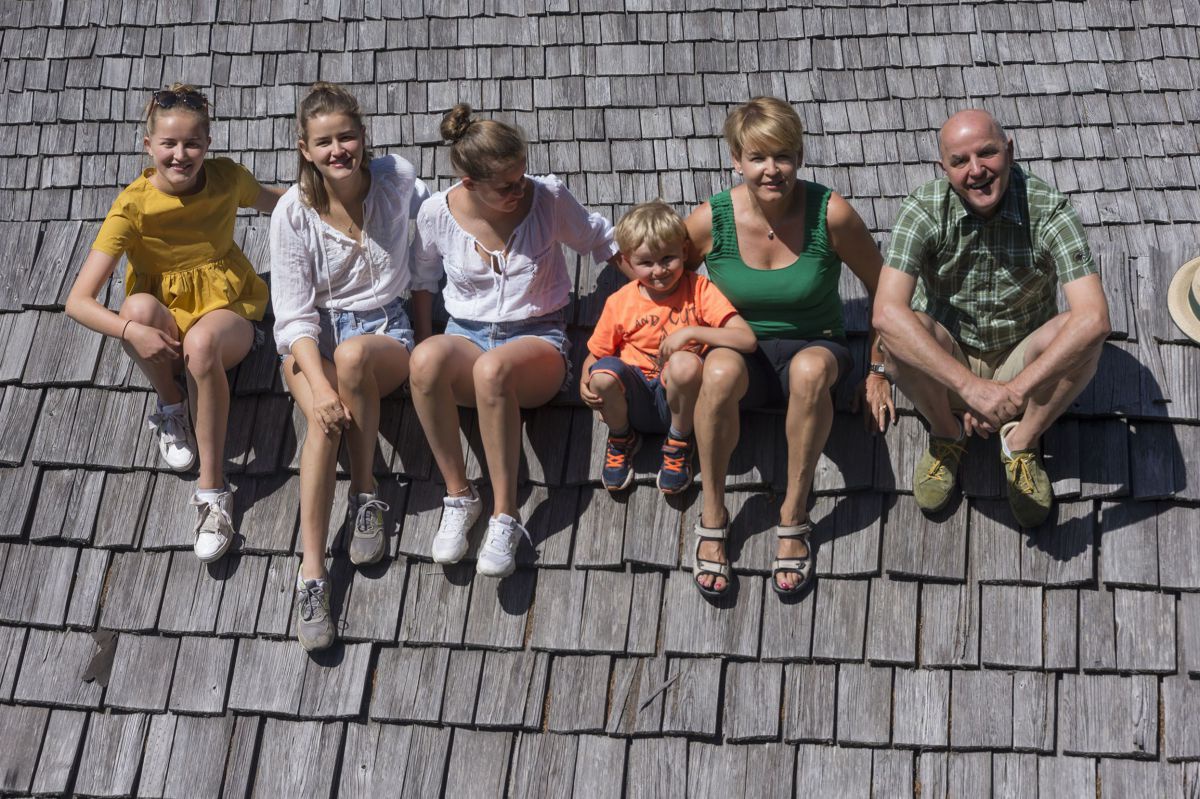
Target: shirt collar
[1010,208]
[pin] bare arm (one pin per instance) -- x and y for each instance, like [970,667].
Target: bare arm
[82,305]
[1086,327]
[856,247]
[736,335]
[421,305]
[699,228]
[150,343]
[267,197]
[908,340]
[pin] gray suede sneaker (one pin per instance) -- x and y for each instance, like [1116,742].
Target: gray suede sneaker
[314,626]
[368,542]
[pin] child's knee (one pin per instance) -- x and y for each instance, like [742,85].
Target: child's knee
[607,385]
[685,369]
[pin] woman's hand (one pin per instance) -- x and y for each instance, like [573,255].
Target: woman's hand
[150,343]
[874,397]
[330,410]
[590,398]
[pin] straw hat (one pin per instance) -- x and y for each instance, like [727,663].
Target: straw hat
[1183,299]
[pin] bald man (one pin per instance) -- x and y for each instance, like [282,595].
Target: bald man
[967,312]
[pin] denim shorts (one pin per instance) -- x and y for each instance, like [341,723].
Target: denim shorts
[337,326]
[645,399]
[551,328]
[768,366]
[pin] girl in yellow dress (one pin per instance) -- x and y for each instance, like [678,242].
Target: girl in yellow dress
[191,294]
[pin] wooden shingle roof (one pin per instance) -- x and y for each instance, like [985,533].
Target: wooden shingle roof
[960,656]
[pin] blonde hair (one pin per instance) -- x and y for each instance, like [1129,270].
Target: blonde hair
[323,99]
[654,224]
[154,110]
[479,148]
[764,122]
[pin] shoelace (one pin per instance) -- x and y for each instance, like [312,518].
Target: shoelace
[1021,468]
[362,521]
[674,463]
[500,537]
[310,600]
[171,426]
[940,452]
[617,453]
[453,516]
[207,509]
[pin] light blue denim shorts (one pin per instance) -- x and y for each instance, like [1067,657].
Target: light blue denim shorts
[337,326]
[551,328]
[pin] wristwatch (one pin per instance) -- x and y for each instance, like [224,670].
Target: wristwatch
[881,370]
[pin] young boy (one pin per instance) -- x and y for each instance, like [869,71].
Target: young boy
[644,362]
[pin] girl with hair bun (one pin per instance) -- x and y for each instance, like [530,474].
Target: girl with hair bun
[343,263]
[191,296]
[499,232]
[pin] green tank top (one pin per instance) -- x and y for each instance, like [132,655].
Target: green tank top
[799,301]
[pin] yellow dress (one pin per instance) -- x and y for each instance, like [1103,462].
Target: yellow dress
[181,249]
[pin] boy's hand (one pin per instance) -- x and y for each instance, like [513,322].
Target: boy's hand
[590,399]
[681,339]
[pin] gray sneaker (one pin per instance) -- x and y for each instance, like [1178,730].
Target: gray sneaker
[314,626]
[368,543]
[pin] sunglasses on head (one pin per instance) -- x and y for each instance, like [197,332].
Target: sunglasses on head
[169,99]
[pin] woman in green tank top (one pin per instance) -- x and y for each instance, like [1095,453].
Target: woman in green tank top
[775,246]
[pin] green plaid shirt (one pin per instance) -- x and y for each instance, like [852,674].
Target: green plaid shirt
[990,282]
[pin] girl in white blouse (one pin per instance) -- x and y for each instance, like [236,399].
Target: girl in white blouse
[499,233]
[342,266]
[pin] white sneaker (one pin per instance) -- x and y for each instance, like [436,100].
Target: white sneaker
[214,527]
[459,515]
[498,555]
[175,440]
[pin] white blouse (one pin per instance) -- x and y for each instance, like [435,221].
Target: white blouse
[529,277]
[314,265]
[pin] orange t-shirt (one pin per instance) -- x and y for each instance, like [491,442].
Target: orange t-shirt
[632,326]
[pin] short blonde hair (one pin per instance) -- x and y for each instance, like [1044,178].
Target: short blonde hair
[764,122]
[654,224]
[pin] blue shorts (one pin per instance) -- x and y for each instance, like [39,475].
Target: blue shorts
[551,328]
[337,326]
[645,398]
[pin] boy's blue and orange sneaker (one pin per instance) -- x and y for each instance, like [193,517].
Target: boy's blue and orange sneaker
[676,472]
[617,473]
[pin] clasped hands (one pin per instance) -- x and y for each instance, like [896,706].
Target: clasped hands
[991,404]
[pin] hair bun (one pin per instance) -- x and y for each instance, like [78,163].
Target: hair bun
[456,122]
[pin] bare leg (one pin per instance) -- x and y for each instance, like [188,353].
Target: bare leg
[217,342]
[615,411]
[716,426]
[146,310]
[524,373]
[683,376]
[1046,406]
[368,367]
[441,381]
[318,471]
[930,397]
[811,375]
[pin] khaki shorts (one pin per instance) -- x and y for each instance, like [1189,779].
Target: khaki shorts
[998,365]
